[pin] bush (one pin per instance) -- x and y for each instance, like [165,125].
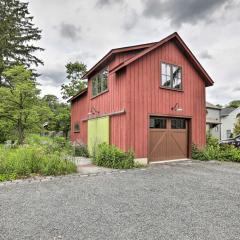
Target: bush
[42,158]
[81,150]
[112,157]
[213,151]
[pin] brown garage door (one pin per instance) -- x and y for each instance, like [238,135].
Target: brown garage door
[168,138]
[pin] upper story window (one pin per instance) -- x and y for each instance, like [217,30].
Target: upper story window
[100,82]
[171,76]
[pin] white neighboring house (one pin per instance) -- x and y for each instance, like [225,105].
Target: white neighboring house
[213,120]
[229,117]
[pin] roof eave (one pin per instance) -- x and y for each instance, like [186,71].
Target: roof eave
[111,53]
[77,95]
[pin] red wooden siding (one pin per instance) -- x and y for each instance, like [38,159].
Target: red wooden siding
[113,100]
[146,97]
[78,111]
[137,90]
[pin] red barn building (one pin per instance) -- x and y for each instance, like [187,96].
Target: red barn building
[149,98]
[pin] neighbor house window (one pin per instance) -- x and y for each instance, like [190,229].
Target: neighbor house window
[76,127]
[229,133]
[171,76]
[100,82]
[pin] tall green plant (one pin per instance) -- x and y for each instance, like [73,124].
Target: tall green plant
[20,103]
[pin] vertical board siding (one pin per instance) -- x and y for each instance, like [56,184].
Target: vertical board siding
[78,110]
[111,101]
[137,90]
[146,97]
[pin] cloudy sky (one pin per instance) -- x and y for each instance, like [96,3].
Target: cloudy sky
[86,30]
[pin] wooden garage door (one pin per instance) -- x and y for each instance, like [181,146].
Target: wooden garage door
[168,138]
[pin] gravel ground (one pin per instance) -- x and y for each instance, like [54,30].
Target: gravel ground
[188,200]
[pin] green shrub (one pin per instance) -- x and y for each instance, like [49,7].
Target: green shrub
[81,150]
[212,141]
[27,160]
[213,151]
[112,157]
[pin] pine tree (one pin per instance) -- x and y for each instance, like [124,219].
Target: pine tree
[17,34]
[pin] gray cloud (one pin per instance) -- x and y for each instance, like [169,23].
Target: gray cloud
[70,31]
[188,11]
[131,20]
[102,3]
[52,77]
[205,55]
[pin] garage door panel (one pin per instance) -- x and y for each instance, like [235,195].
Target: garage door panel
[169,141]
[179,140]
[158,141]
[176,146]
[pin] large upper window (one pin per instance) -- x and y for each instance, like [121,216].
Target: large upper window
[100,82]
[171,76]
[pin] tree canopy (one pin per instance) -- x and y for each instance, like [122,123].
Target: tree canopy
[20,103]
[60,118]
[234,104]
[18,34]
[75,72]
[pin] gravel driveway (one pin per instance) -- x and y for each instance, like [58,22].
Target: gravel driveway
[188,200]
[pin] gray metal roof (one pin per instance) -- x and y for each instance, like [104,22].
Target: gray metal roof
[210,105]
[226,111]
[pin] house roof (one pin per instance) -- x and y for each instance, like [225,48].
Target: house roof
[113,52]
[210,105]
[182,45]
[226,111]
[78,95]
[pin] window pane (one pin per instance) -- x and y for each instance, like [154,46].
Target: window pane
[171,76]
[164,69]
[156,122]
[168,66]
[99,87]
[178,123]
[94,91]
[166,81]
[177,83]
[99,82]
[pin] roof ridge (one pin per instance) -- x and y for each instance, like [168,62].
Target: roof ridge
[208,79]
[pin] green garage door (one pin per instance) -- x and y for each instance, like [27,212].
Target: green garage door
[98,132]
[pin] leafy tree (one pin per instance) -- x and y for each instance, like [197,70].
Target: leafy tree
[20,103]
[236,129]
[6,132]
[75,72]
[60,118]
[17,36]
[234,104]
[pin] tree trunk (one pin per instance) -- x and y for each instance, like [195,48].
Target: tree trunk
[20,134]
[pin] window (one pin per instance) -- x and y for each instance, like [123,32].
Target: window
[171,76]
[76,127]
[178,123]
[229,133]
[99,82]
[156,122]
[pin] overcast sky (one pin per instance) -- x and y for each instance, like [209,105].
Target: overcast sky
[86,30]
